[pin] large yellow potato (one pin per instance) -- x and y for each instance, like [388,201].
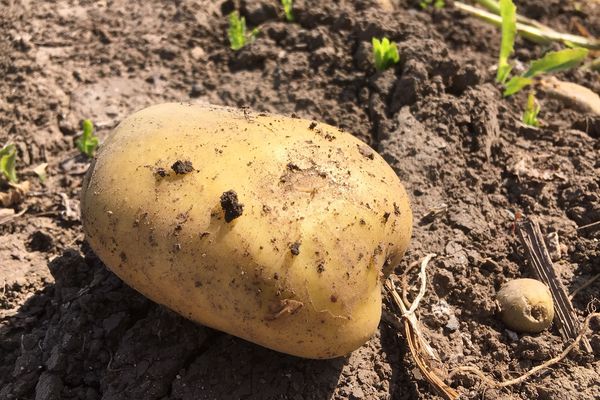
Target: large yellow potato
[274,229]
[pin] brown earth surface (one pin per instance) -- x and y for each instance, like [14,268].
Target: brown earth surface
[70,329]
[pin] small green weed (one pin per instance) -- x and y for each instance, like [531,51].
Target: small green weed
[238,33]
[508,12]
[288,9]
[88,142]
[435,3]
[385,53]
[8,156]
[553,61]
[531,111]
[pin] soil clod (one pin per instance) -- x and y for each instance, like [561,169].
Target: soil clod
[295,248]
[182,167]
[231,206]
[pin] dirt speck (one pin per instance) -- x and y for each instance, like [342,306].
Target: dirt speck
[295,248]
[182,167]
[231,206]
[320,267]
[366,152]
[386,216]
[160,172]
[292,167]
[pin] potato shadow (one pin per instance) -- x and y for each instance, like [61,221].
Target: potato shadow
[402,383]
[90,336]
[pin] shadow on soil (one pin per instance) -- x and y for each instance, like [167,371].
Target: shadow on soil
[89,336]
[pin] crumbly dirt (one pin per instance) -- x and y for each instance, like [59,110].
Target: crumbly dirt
[182,167]
[70,329]
[231,206]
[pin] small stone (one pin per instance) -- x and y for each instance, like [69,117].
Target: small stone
[198,53]
[197,90]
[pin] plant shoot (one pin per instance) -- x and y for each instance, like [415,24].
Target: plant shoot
[385,53]
[88,142]
[8,155]
[238,33]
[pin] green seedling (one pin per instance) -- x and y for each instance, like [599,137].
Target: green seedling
[553,61]
[435,3]
[288,9]
[531,111]
[8,155]
[508,12]
[238,33]
[88,142]
[385,53]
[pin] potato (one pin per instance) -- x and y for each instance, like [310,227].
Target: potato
[277,230]
[526,305]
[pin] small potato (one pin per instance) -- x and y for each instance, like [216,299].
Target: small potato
[277,230]
[526,305]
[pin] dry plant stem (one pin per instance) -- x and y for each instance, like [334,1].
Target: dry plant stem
[586,284]
[420,350]
[543,269]
[592,225]
[535,34]
[533,370]
[494,7]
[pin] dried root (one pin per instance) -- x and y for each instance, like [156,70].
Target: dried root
[495,384]
[422,353]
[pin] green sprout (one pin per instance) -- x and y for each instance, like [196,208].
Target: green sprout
[88,142]
[508,12]
[531,111]
[553,61]
[8,155]
[435,3]
[385,53]
[288,9]
[237,32]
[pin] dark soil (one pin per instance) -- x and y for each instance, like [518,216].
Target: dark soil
[231,205]
[182,167]
[70,329]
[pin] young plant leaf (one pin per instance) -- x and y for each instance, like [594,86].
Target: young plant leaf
[288,9]
[88,142]
[436,4]
[385,53]
[508,12]
[8,156]
[531,111]
[238,32]
[555,61]
[515,84]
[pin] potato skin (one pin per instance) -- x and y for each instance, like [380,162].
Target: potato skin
[526,305]
[299,270]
